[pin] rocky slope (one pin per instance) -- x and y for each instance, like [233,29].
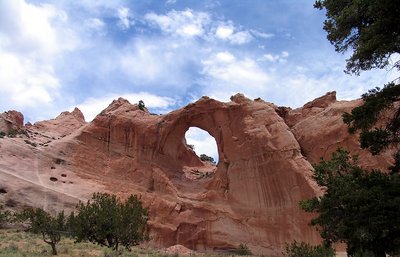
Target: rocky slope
[251,196]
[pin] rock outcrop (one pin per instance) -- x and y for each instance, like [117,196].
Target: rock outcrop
[250,197]
[318,127]
[11,120]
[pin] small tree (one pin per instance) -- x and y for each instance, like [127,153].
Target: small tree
[41,222]
[359,208]
[206,158]
[141,105]
[107,221]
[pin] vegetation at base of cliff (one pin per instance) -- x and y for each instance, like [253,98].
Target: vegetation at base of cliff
[107,221]
[4,216]
[302,249]
[41,222]
[359,207]
[104,220]
[14,243]
[243,250]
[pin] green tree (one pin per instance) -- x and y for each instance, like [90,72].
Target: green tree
[141,105]
[371,28]
[360,208]
[206,158]
[107,221]
[41,222]
[379,105]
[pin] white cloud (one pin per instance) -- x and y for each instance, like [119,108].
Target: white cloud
[93,106]
[95,24]
[281,58]
[186,23]
[159,63]
[226,75]
[261,34]
[224,32]
[32,37]
[225,57]
[171,2]
[25,82]
[203,142]
[227,32]
[125,20]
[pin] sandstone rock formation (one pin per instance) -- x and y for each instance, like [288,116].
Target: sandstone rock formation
[11,120]
[250,197]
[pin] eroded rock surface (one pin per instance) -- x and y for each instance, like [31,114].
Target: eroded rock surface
[250,197]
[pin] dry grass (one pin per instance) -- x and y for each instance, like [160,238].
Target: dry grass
[15,243]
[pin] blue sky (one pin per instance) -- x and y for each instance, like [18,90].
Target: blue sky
[55,55]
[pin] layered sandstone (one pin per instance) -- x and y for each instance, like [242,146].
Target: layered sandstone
[250,197]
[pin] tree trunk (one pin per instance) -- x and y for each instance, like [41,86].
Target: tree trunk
[53,248]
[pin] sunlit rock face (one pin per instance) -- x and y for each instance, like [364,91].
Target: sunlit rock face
[11,120]
[249,197]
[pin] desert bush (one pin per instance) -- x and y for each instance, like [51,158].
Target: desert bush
[301,249]
[243,250]
[4,216]
[41,222]
[206,158]
[108,221]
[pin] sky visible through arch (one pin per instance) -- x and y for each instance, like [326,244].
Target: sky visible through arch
[55,55]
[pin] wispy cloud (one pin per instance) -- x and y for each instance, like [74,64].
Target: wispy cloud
[181,23]
[31,37]
[125,21]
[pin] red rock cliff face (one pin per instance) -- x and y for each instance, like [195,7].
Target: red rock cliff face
[318,127]
[252,196]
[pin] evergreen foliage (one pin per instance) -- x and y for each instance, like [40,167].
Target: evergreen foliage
[360,208]
[380,127]
[206,158]
[371,28]
[107,221]
[301,249]
[141,105]
[41,222]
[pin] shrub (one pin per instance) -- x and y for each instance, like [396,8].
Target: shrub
[302,249]
[207,158]
[243,250]
[41,222]
[141,105]
[107,221]
[12,133]
[4,216]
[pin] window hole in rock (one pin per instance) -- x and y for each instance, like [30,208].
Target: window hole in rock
[203,144]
